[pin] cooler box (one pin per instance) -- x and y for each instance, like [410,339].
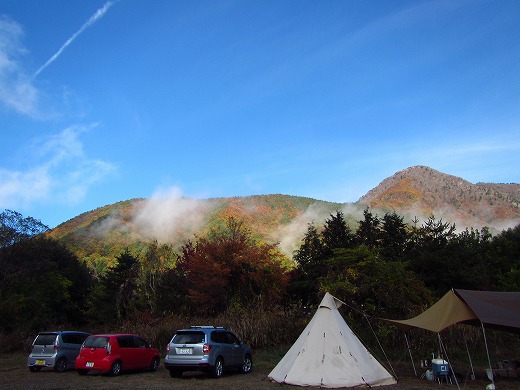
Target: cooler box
[440,367]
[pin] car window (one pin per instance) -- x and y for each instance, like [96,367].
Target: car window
[125,341]
[216,337]
[73,338]
[45,339]
[223,337]
[188,338]
[96,342]
[139,342]
[228,338]
[232,339]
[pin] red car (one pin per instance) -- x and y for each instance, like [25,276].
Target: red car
[113,353]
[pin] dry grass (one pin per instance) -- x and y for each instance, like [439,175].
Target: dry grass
[15,375]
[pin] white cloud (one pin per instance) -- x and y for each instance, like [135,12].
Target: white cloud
[59,172]
[16,89]
[93,19]
[168,216]
[18,189]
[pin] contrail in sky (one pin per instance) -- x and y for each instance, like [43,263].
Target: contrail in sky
[93,19]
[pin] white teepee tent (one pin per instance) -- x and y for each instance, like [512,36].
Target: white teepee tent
[329,354]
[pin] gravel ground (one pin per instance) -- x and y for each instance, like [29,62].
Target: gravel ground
[15,375]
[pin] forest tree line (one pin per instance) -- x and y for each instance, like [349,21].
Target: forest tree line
[384,267]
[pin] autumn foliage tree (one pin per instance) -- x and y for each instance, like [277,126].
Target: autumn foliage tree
[229,268]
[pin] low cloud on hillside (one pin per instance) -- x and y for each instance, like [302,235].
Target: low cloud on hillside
[169,216]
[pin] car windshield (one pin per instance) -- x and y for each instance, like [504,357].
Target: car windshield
[188,337]
[96,342]
[45,339]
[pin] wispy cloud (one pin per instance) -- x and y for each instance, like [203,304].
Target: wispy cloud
[61,172]
[16,89]
[168,216]
[93,19]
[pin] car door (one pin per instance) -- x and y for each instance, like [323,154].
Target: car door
[141,353]
[224,347]
[238,352]
[71,346]
[127,352]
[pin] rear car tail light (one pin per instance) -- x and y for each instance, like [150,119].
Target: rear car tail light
[206,348]
[168,348]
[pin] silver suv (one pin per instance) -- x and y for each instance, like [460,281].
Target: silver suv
[56,350]
[207,348]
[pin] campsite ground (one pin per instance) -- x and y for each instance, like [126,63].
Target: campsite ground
[15,375]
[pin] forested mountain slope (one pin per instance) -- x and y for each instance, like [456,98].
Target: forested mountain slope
[99,235]
[414,193]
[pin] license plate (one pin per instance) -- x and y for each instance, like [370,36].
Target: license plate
[184,351]
[40,362]
[89,364]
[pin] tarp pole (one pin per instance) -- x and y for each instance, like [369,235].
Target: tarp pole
[445,353]
[469,357]
[410,352]
[487,352]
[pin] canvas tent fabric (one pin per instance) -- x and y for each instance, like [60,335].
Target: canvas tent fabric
[328,354]
[448,310]
[495,309]
[500,310]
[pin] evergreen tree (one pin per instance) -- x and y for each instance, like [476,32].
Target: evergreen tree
[310,259]
[468,260]
[394,236]
[336,233]
[430,257]
[504,260]
[368,232]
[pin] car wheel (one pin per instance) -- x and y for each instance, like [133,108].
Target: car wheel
[82,372]
[61,365]
[248,365]
[154,364]
[34,369]
[115,370]
[218,368]
[175,373]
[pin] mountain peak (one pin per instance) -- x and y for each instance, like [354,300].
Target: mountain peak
[423,191]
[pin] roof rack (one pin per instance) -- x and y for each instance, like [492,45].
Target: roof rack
[207,327]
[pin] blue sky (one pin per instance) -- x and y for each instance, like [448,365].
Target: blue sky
[103,101]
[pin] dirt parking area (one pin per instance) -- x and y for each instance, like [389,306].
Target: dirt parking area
[15,375]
